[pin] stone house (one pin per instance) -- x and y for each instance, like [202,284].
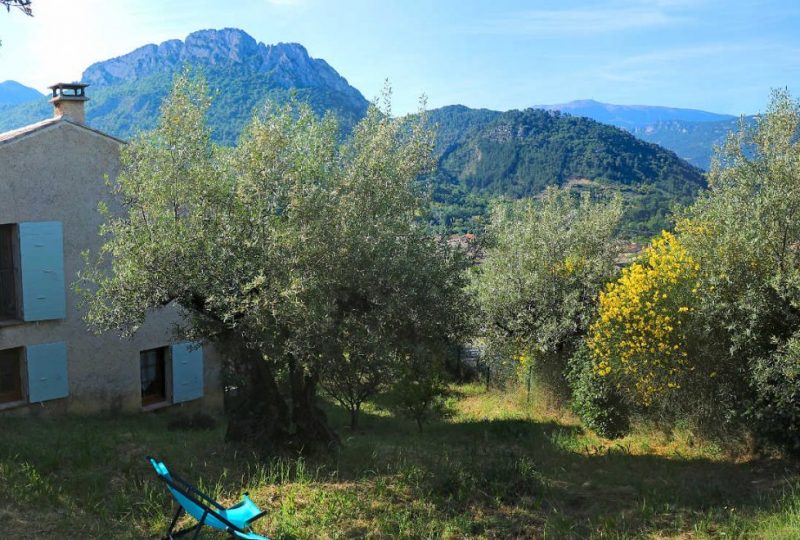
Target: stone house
[52,177]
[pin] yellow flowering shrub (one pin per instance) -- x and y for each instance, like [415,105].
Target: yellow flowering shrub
[640,338]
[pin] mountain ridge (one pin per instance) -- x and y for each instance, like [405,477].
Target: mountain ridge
[633,116]
[14,93]
[519,153]
[242,74]
[288,64]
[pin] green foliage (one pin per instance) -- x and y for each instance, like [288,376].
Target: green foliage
[776,383]
[595,399]
[456,210]
[744,234]
[422,387]
[546,261]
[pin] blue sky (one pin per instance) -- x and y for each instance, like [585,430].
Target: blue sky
[717,55]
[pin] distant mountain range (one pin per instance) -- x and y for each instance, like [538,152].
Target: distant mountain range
[14,93]
[633,116]
[692,141]
[482,153]
[690,133]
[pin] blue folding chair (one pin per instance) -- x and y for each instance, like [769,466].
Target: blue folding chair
[235,520]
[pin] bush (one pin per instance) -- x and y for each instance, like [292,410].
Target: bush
[594,399]
[642,338]
[744,233]
[776,382]
[422,389]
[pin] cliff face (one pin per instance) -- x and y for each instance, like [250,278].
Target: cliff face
[288,65]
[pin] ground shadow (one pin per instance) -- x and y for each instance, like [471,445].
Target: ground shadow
[530,474]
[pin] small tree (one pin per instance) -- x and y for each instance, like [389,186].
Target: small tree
[357,376]
[537,287]
[422,390]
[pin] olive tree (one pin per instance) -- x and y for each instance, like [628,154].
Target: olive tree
[545,264]
[289,251]
[396,291]
[745,236]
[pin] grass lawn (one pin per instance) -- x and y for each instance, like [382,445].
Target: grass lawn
[496,469]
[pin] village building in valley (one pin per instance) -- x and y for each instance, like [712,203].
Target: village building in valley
[52,177]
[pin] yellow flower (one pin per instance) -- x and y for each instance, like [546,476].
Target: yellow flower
[639,333]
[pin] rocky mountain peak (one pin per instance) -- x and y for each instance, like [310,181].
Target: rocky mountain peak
[229,45]
[288,64]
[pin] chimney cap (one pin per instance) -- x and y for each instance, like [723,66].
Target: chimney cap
[69,91]
[68,85]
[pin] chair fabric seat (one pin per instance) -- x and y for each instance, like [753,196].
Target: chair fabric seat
[242,512]
[238,515]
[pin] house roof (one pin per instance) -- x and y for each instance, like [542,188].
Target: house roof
[16,134]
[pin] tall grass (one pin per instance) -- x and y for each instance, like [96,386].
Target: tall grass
[498,468]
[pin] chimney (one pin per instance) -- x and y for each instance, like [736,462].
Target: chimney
[68,100]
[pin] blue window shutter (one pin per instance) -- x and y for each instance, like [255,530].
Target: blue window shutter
[187,372]
[41,248]
[47,371]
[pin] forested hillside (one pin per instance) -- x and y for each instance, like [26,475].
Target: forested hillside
[519,153]
[692,141]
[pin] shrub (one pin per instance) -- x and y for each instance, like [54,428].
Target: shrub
[745,234]
[422,389]
[595,400]
[776,382]
[642,340]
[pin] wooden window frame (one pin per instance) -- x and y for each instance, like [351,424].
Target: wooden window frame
[157,400]
[12,230]
[18,394]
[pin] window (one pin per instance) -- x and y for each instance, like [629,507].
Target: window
[9,275]
[152,367]
[32,271]
[171,374]
[33,374]
[11,375]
